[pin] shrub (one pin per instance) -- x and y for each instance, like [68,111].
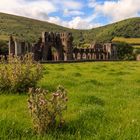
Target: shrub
[46,109]
[17,75]
[3,48]
[125,51]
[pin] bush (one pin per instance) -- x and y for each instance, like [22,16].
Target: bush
[46,109]
[17,75]
[3,48]
[125,51]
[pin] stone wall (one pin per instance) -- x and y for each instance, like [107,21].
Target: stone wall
[59,47]
[18,48]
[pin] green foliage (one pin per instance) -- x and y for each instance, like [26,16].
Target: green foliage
[46,110]
[19,74]
[125,51]
[3,47]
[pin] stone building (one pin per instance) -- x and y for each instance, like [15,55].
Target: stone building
[97,51]
[59,46]
[18,48]
[53,46]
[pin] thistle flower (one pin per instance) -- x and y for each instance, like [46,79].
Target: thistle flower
[45,111]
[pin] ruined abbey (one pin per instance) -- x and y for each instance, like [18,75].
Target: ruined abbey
[59,47]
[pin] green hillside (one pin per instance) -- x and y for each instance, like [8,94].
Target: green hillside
[129,28]
[30,29]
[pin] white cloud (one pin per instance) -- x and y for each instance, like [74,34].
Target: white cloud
[80,23]
[75,23]
[72,12]
[116,10]
[32,9]
[71,4]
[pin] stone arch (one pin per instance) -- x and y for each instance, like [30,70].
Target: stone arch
[84,56]
[102,56]
[55,52]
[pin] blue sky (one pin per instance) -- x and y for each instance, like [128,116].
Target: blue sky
[78,14]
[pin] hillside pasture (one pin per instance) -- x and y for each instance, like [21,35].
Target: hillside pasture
[133,41]
[104,103]
[4,37]
[136,46]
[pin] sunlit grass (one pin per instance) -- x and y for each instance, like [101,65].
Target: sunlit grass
[136,47]
[127,40]
[104,103]
[4,37]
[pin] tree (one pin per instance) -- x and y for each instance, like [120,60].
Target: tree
[81,40]
[3,48]
[125,51]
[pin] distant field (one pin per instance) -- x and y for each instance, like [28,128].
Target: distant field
[136,46]
[4,37]
[104,103]
[127,40]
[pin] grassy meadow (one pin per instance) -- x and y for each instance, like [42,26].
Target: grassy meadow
[127,40]
[136,47]
[104,103]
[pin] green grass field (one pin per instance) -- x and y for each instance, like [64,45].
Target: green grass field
[104,103]
[127,40]
[136,46]
[4,37]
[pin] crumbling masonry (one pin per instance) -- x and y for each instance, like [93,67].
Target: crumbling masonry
[59,46]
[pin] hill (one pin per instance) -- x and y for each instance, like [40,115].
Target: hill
[129,28]
[30,29]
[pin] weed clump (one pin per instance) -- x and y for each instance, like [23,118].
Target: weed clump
[18,74]
[46,109]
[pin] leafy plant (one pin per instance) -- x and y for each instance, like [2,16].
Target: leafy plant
[46,109]
[3,48]
[17,75]
[125,51]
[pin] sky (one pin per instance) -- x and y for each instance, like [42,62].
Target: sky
[77,14]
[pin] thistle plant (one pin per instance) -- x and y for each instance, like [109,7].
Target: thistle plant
[18,74]
[46,108]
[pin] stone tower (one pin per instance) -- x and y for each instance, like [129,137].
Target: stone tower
[11,45]
[67,40]
[18,48]
[52,46]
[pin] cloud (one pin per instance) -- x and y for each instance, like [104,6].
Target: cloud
[33,9]
[72,12]
[116,10]
[75,23]
[78,22]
